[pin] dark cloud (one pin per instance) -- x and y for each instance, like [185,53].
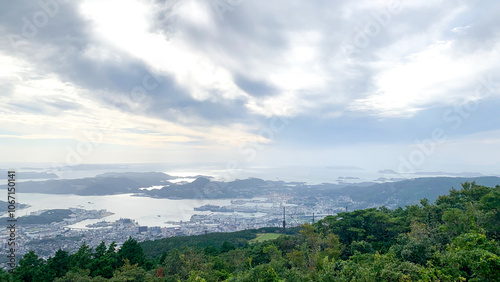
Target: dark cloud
[59,47]
[245,40]
[253,87]
[184,109]
[29,22]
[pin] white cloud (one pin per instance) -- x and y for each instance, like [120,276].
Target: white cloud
[32,110]
[430,54]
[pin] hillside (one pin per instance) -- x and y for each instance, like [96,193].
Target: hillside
[29,175]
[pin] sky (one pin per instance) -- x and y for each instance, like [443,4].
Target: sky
[403,85]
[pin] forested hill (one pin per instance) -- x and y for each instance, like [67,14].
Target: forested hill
[355,195]
[410,191]
[453,239]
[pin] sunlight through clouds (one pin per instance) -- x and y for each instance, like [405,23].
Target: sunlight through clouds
[204,79]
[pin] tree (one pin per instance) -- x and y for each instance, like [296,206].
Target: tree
[226,247]
[172,262]
[211,251]
[104,261]
[5,276]
[458,221]
[129,272]
[490,205]
[79,275]
[371,225]
[112,255]
[273,252]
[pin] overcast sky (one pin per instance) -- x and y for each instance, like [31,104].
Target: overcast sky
[404,85]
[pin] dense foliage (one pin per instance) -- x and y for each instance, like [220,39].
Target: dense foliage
[454,239]
[216,240]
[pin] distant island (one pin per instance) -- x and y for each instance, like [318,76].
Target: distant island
[103,184]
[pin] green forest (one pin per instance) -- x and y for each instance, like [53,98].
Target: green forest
[453,239]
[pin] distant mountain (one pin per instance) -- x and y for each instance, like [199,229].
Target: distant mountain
[354,195]
[46,217]
[204,188]
[105,184]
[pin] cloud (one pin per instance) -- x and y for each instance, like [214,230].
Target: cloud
[429,78]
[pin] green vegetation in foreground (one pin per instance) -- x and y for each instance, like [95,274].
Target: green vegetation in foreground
[454,239]
[46,217]
[261,237]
